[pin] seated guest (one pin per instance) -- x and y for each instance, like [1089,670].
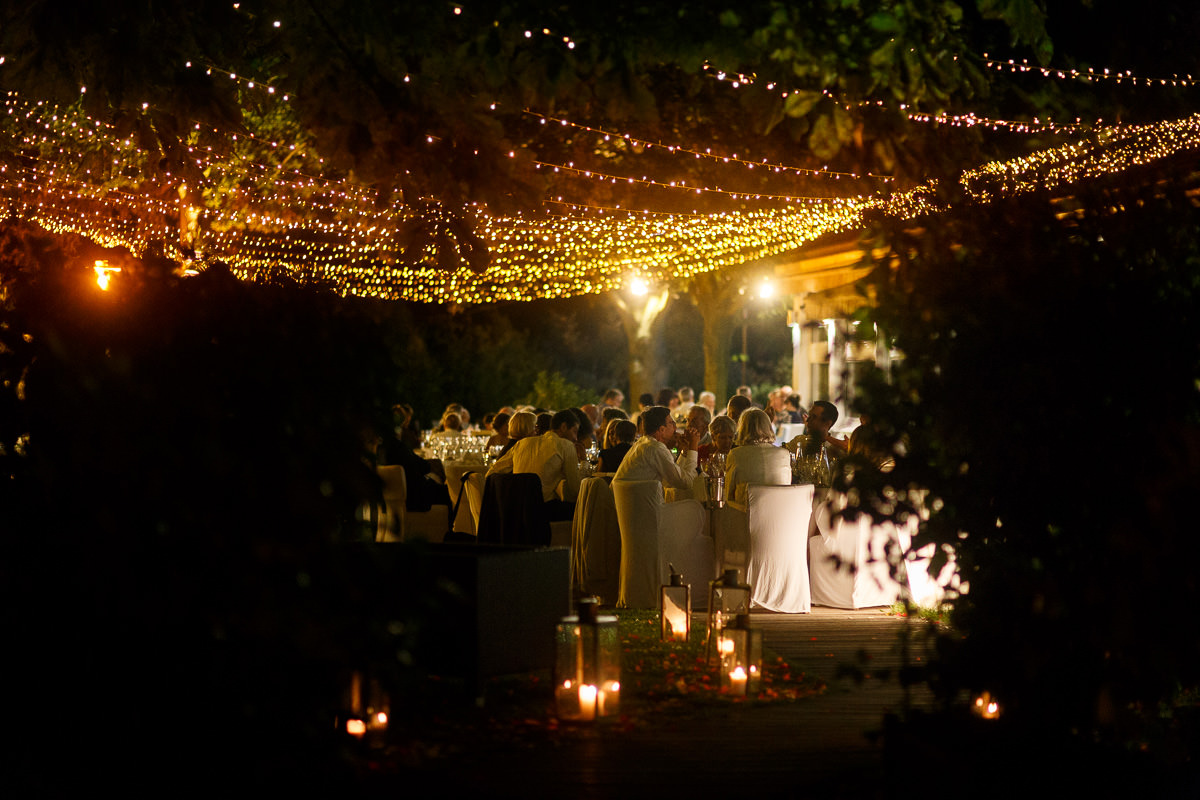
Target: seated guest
[821,417]
[607,416]
[521,425]
[722,431]
[451,425]
[736,405]
[500,430]
[792,406]
[756,459]
[709,401]
[544,419]
[667,397]
[613,398]
[645,401]
[425,480]
[592,412]
[621,435]
[586,434]
[698,417]
[552,458]
[650,457]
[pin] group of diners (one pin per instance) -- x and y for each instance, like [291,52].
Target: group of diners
[669,443]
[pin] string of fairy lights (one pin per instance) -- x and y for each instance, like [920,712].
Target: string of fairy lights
[260,215]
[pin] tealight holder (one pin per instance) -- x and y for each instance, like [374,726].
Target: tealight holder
[588,665]
[675,609]
[740,648]
[727,599]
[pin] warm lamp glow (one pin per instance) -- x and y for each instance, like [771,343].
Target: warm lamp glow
[639,287]
[356,727]
[766,289]
[986,706]
[104,274]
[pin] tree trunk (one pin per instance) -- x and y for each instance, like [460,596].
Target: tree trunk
[637,318]
[717,299]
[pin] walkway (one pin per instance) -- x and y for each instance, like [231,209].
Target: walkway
[817,747]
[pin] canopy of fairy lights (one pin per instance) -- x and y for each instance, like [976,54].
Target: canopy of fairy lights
[342,234]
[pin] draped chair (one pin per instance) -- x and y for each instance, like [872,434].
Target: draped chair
[512,511]
[655,534]
[767,540]
[596,541]
[395,523]
[849,561]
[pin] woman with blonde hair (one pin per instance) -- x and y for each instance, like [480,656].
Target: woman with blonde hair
[756,459]
[520,425]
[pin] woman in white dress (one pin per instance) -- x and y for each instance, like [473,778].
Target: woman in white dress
[755,458]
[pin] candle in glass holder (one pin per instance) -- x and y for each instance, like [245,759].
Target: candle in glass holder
[587,701]
[737,682]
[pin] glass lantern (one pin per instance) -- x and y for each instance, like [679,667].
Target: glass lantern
[365,708]
[588,665]
[741,657]
[727,599]
[675,609]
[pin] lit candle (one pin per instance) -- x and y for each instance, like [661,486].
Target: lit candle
[737,681]
[356,728]
[677,620]
[587,701]
[609,698]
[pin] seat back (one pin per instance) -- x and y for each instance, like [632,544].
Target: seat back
[512,511]
[596,541]
[777,568]
[395,494]
[848,561]
[655,534]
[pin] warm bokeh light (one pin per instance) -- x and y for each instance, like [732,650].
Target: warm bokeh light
[104,274]
[334,231]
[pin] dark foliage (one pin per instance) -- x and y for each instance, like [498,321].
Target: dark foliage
[181,463]
[1049,403]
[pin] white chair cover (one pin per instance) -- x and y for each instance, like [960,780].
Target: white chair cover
[473,486]
[777,569]
[655,534]
[464,521]
[848,563]
[928,591]
[397,524]
[596,541]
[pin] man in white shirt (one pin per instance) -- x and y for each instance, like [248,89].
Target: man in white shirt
[650,459]
[552,458]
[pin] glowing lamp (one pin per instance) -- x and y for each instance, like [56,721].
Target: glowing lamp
[588,665]
[104,274]
[675,609]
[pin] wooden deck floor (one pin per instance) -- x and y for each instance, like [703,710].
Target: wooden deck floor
[817,747]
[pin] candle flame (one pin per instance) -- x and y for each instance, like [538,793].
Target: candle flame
[356,727]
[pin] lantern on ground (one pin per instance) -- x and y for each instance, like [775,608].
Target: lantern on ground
[740,650]
[675,609]
[588,665]
[367,708]
[986,706]
[727,599]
